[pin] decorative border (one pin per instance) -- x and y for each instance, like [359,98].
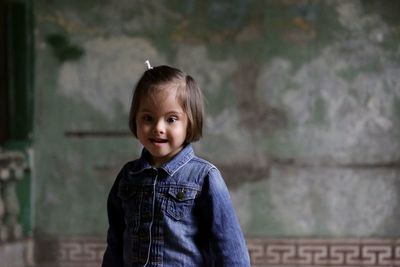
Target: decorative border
[325,252]
[88,252]
[81,253]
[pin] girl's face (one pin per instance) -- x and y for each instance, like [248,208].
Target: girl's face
[162,124]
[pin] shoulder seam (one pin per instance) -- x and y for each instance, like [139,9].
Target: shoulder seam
[205,162]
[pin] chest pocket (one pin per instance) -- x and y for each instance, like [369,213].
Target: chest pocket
[180,201]
[131,198]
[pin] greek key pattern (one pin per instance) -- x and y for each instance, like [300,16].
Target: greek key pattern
[324,253]
[80,252]
[268,252]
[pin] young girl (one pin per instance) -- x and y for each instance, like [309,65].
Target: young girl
[170,208]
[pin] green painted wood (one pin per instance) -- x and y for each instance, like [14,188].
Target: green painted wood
[3,80]
[17,91]
[20,69]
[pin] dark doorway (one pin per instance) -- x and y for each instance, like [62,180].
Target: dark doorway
[4,125]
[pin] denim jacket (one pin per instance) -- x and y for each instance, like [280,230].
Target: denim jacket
[178,215]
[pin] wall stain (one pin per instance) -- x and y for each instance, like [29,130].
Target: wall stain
[255,114]
[389,10]
[236,175]
[63,49]
[73,27]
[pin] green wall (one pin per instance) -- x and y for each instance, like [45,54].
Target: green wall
[302,103]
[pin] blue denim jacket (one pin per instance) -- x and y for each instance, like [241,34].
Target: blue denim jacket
[179,215]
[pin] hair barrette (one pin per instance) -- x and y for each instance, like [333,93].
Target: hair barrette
[149,67]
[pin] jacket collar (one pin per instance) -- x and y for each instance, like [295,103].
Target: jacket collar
[183,157]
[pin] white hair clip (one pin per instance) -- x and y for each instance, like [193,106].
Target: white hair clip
[149,67]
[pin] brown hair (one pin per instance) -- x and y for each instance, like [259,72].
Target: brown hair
[189,95]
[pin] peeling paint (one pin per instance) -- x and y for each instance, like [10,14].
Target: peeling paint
[106,75]
[305,199]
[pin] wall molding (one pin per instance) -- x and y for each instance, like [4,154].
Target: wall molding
[88,252]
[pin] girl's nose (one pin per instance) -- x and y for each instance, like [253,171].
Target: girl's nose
[159,128]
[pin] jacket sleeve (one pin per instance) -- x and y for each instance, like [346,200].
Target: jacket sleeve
[226,240]
[113,256]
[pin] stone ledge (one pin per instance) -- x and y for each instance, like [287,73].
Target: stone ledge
[17,253]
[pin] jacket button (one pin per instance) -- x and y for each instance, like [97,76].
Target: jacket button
[180,195]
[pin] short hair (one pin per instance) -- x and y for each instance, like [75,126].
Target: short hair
[189,96]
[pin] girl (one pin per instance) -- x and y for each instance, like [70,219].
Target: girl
[170,208]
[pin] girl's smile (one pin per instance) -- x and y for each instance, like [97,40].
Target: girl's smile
[158,141]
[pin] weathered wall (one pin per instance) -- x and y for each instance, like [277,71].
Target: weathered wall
[303,103]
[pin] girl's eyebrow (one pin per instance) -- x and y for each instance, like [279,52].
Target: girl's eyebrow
[173,112]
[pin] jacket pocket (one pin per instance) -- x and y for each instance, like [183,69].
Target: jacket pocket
[131,202]
[180,201]
[126,191]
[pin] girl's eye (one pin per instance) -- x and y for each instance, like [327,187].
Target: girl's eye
[172,119]
[147,118]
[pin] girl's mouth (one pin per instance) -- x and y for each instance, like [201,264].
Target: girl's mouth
[158,140]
